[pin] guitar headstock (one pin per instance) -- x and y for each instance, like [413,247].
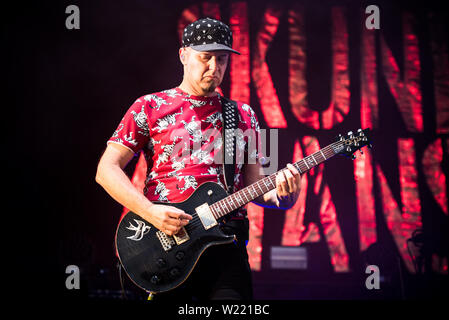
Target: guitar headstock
[353,142]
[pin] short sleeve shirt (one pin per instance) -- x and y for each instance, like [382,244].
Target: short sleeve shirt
[181,138]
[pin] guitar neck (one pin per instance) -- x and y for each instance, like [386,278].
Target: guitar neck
[262,186]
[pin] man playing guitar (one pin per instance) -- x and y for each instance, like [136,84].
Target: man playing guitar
[171,128]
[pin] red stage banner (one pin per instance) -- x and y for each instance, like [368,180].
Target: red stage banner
[401,209]
[405,86]
[268,99]
[440,55]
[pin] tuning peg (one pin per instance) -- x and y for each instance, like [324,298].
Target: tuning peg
[352,156]
[350,133]
[339,137]
[360,131]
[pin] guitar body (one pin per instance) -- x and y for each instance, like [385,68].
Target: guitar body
[158,263]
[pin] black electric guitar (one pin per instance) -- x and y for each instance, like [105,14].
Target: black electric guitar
[157,262]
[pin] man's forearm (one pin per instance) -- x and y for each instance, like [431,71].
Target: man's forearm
[270,200]
[266,200]
[114,180]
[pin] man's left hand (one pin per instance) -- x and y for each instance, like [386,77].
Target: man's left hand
[288,186]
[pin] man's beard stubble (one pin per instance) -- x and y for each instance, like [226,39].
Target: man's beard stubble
[209,87]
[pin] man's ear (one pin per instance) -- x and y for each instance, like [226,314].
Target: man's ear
[182,55]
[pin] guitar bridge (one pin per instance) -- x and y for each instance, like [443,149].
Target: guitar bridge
[206,216]
[181,236]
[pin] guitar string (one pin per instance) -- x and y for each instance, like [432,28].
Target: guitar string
[327,151]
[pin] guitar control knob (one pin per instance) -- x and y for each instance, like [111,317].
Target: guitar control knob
[179,255]
[155,279]
[174,272]
[161,263]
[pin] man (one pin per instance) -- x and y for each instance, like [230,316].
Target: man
[164,125]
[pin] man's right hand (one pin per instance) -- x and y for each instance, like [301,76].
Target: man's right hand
[113,179]
[167,218]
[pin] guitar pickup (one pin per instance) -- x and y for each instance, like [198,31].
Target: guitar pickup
[206,216]
[166,241]
[181,236]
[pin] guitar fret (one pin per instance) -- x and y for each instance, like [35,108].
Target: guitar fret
[237,199]
[231,203]
[243,201]
[234,201]
[224,206]
[314,159]
[219,211]
[323,154]
[245,196]
[274,186]
[306,164]
[228,201]
[265,183]
[259,186]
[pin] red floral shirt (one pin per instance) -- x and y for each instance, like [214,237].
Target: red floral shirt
[180,136]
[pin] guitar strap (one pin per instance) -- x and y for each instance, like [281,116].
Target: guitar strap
[230,123]
[238,227]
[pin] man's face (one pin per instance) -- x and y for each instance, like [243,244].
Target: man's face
[204,70]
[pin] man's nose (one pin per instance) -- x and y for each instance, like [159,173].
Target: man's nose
[213,63]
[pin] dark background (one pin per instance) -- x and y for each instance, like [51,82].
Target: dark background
[66,91]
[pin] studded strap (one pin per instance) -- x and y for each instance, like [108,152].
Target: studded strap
[230,124]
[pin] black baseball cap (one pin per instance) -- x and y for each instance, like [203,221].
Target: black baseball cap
[208,34]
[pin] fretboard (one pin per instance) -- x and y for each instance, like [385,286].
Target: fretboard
[259,188]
